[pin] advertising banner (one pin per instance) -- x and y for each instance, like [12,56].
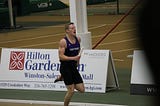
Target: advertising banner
[142,81]
[46,5]
[37,69]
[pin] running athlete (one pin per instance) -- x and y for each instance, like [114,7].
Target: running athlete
[69,48]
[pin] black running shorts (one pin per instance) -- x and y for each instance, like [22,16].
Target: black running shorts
[70,73]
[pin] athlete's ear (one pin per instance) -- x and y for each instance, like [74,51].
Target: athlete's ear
[67,30]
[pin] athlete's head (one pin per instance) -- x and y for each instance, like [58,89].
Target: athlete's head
[70,28]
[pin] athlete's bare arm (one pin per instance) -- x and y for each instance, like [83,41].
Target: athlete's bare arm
[61,51]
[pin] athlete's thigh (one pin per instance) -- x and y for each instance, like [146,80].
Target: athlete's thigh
[80,87]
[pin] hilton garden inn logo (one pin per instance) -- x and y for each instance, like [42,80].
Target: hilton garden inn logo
[33,61]
[16,60]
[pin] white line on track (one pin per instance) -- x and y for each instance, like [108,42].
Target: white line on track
[124,50]
[118,60]
[127,40]
[55,102]
[114,33]
[40,44]
[49,35]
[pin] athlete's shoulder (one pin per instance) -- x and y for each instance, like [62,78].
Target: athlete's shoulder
[78,38]
[62,41]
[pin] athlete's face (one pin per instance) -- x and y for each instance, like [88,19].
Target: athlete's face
[72,30]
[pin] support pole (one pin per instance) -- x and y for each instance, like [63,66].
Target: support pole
[78,15]
[11,13]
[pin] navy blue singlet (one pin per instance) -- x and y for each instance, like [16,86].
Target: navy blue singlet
[72,49]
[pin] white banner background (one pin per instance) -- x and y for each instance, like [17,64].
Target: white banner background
[37,69]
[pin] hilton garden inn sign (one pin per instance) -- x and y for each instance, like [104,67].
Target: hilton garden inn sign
[36,69]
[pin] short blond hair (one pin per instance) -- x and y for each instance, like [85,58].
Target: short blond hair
[67,25]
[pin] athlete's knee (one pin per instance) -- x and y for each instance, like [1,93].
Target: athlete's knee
[82,90]
[71,92]
[69,95]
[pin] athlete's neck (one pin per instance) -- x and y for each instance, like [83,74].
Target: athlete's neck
[71,38]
